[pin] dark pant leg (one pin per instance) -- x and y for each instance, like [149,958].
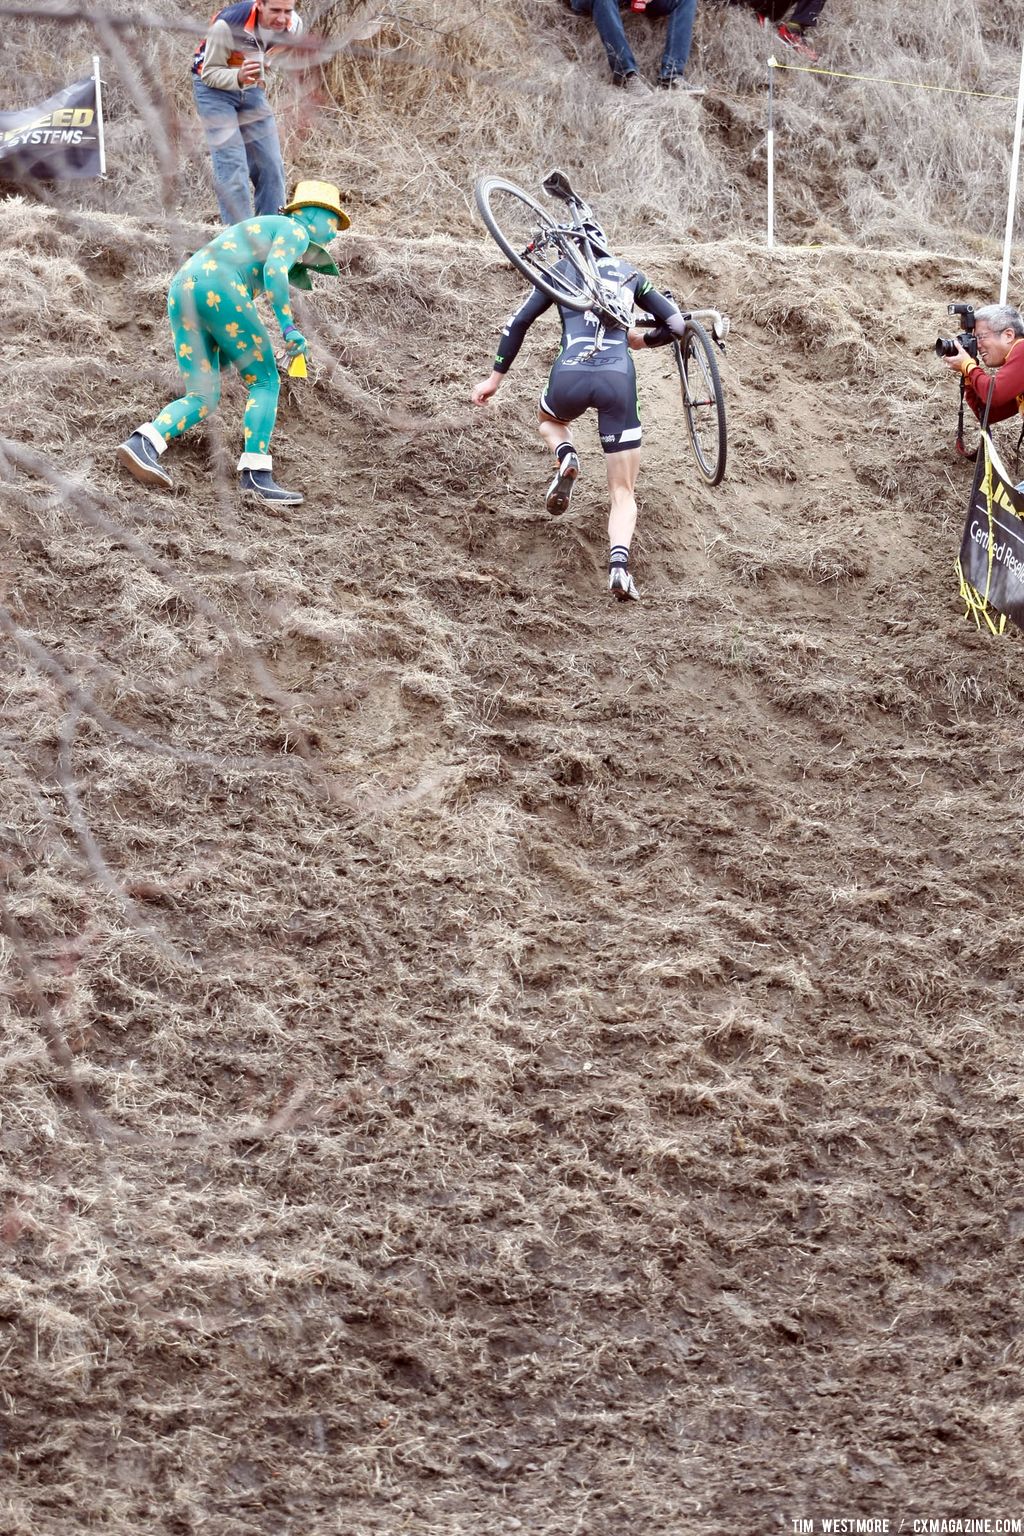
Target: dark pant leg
[679,16]
[219,114]
[608,21]
[263,151]
[806,13]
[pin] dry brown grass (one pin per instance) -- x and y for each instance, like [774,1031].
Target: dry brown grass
[417,99]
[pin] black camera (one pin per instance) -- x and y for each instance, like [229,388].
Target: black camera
[945,346]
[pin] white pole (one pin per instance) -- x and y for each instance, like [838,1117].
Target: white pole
[99,112]
[771,152]
[1012,204]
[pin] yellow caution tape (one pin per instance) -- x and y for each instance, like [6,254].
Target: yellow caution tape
[913,85]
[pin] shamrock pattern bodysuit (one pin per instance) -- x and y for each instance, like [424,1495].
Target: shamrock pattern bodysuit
[214,320]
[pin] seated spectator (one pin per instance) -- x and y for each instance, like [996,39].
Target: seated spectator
[676,54]
[794,29]
[228,81]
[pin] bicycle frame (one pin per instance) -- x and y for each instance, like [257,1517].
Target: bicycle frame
[573,240]
[574,245]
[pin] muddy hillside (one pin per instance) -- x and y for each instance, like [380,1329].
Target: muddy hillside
[477,1059]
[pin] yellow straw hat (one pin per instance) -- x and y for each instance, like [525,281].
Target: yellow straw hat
[318,194]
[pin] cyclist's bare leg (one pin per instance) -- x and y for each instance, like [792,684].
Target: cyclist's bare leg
[623,469]
[558,436]
[554,431]
[622,472]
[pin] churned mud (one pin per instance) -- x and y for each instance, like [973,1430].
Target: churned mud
[479,1060]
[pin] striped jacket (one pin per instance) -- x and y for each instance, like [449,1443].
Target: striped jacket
[235,35]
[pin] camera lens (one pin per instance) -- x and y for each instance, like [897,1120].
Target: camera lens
[944,347]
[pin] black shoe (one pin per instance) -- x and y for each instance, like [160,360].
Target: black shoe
[621,584]
[141,459]
[260,483]
[561,488]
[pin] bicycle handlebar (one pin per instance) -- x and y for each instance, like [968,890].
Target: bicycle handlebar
[720,324]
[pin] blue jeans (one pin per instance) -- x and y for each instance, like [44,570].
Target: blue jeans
[244,147]
[608,22]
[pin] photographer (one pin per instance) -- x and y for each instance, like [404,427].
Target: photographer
[999,333]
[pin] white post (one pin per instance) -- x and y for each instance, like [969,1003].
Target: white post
[771,152]
[99,112]
[1012,203]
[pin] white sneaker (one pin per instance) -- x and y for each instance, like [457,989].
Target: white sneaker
[676,85]
[561,488]
[621,584]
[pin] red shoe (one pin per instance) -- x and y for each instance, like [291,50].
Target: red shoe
[793,38]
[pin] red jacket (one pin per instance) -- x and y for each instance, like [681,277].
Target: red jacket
[1005,387]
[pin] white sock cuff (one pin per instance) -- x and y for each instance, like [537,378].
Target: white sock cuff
[152,435]
[255,461]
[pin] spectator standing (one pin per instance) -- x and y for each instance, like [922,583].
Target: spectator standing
[678,15]
[229,83]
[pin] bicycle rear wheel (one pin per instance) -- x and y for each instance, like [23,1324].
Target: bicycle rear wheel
[703,400]
[534,243]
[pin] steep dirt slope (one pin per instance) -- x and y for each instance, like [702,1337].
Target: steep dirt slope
[533,1067]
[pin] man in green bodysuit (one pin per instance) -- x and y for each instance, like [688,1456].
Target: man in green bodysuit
[215,321]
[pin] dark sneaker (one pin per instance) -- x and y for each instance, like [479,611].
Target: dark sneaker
[260,483]
[561,488]
[621,584]
[141,459]
[794,38]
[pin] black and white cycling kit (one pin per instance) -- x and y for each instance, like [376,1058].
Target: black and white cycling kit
[590,371]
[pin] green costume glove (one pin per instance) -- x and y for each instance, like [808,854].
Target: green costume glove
[294,340]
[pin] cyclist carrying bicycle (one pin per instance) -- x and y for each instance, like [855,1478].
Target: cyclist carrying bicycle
[593,370]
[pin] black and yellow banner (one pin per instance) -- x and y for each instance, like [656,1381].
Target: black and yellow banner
[991,564]
[61,139]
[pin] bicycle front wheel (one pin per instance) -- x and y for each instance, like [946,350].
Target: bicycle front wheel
[703,400]
[534,243]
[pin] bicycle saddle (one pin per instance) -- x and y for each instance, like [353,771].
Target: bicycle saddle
[556,184]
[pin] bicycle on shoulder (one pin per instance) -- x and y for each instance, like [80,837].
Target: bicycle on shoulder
[558,257]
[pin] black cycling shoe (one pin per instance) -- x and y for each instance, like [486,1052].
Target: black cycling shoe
[260,483]
[561,488]
[141,459]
